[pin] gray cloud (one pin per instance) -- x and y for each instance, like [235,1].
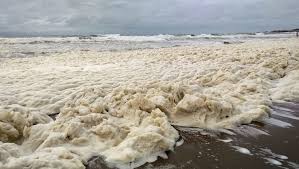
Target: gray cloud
[146,17]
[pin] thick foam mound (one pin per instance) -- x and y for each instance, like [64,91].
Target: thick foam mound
[122,105]
[288,87]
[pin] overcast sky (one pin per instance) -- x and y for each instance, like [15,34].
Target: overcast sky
[146,16]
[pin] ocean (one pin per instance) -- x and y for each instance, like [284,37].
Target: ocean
[37,46]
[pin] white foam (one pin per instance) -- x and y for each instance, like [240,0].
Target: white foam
[226,140]
[285,114]
[273,161]
[227,132]
[293,165]
[287,88]
[268,151]
[180,142]
[242,150]
[246,130]
[278,123]
[192,130]
[118,37]
[139,162]
[283,109]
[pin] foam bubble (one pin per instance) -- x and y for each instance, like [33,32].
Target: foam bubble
[242,150]
[273,161]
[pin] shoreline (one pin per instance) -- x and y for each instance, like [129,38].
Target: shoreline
[206,150]
[212,152]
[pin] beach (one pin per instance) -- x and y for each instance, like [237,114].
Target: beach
[274,147]
[129,107]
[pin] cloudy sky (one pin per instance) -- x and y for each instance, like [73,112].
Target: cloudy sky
[145,16]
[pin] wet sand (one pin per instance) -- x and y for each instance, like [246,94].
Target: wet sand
[208,152]
[200,151]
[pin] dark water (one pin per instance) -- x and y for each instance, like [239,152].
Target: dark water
[201,151]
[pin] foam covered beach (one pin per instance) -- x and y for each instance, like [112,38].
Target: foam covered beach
[59,110]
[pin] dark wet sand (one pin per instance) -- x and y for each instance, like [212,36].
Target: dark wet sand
[207,152]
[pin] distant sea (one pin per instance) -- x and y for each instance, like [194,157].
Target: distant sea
[37,46]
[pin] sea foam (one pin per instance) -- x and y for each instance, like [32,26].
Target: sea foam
[122,106]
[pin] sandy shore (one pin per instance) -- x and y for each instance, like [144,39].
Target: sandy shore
[122,106]
[272,149]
